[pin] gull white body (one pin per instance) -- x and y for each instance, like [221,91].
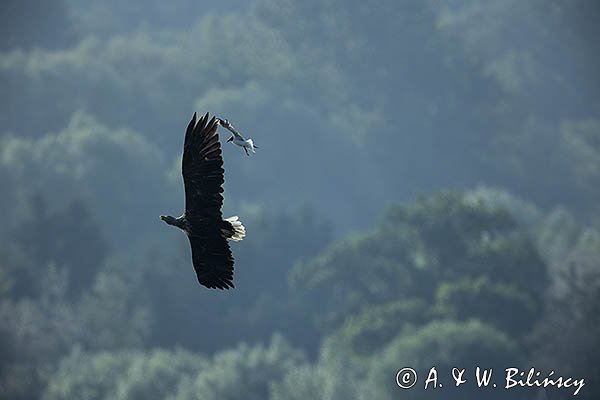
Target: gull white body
[247,144]
[237,138]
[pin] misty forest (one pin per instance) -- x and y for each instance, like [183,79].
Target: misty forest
[426,193]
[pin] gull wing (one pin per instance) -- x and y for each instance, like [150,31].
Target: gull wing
[227,125]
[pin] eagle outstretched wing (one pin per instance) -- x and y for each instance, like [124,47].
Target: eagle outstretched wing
[202,169]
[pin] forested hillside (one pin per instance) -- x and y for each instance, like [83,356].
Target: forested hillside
[426,193]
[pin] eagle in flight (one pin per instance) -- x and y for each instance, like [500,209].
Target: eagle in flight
[202,220]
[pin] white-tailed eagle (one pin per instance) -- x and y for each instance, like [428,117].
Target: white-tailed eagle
[202,220]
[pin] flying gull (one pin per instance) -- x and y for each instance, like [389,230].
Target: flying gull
[237,138]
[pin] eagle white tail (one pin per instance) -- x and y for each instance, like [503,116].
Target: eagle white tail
[237,231]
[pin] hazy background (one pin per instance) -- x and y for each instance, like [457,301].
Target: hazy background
[426,192]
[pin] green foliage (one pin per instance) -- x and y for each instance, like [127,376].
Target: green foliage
[111,315]
[83,160]
[445,345]
[418,247]
[67,238]
[563,158]
[33,334]
[242,373]
[546,80]
[524,212]
[57,84]
[37,332]
[87,376]
[502,305]
[125,375]
[555,30]
[112,79]
[328,379]
[561,238]
[155,375]
[371,329]
[304,382]
[566,338]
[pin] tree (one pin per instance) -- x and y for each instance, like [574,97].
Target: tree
[121,375]
[414,250]
[69,239]
[566,338]
[445,345]
[116,172]
[373,328]
[242,373]
[501,305]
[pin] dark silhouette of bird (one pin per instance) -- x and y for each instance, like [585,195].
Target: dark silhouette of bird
[202,220]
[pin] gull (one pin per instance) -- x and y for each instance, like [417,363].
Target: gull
[237,138]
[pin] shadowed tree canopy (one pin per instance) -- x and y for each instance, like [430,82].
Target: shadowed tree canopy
[419,247]
[67,238]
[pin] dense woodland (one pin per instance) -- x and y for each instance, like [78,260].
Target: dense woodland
[426,192]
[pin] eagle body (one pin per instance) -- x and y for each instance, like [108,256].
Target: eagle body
[231,228]
[202,221]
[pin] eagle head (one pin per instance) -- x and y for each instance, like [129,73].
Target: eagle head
[168,219]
